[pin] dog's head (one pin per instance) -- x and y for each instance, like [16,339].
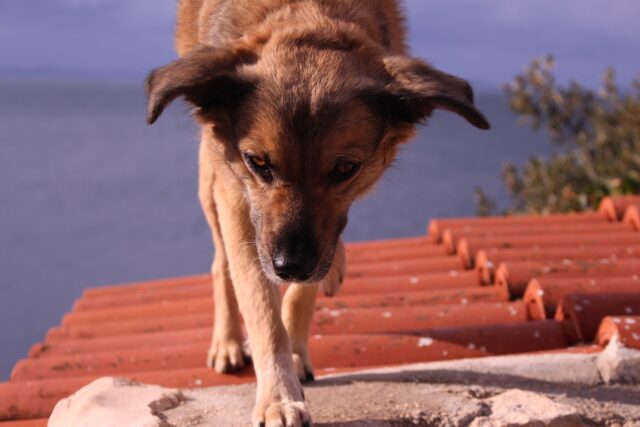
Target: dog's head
[307,125]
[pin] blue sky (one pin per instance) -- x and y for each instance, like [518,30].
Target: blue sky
[486,41]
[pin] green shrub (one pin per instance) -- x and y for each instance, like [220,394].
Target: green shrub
[596,140]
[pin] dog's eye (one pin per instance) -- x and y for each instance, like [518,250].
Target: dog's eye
[258,162]
[260,167]
[344,169]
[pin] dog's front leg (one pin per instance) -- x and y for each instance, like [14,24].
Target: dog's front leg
[280,400]
[297,314]
[226,351]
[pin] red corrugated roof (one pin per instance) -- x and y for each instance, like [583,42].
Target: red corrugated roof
[472,287]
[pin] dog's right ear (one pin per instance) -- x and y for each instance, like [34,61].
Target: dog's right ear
[207,78]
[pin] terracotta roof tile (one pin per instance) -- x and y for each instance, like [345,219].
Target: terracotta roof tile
[126,327]
[405,266]
[417,318]
[455,293]
[632,216]
[468,247]
[543,295]
[150,286]
[136,298]
[393,253]
[486,261]
[145,340]
[614,207]
[515,275]
[410,282]
[452,236]
[405,243]
[586,311]
[438,226]
[625,328]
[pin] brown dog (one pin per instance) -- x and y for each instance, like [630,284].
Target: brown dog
[303,104]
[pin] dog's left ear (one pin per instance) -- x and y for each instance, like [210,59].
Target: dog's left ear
[416,89]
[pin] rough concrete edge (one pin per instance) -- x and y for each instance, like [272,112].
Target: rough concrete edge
[62,414]
[615,363]
[619,364]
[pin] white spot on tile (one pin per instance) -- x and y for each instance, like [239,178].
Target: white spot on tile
[414,280]
[197,382]
[386,314]
[453,273]
[317,336]
[566,261]
[578,308]
[536,334]
[630,321]
[464,301]
[635,336]
[540,292]
[483,349]
[445,353]
[425,342]
[617,320]
[471,346]
[490,265]
[335,313]
[628,310]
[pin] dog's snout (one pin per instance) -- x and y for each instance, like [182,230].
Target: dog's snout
[295,257]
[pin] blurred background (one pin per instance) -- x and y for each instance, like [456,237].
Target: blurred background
[90,195]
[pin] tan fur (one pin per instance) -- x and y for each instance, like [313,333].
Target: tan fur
[303,104]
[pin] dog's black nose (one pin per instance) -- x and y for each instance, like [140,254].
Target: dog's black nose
[290,269]
[295,256]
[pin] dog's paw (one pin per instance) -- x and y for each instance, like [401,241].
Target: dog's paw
[226,356]
[332,283]
[282,414]
[303,368]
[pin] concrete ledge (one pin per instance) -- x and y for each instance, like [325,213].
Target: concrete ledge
[561,389]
